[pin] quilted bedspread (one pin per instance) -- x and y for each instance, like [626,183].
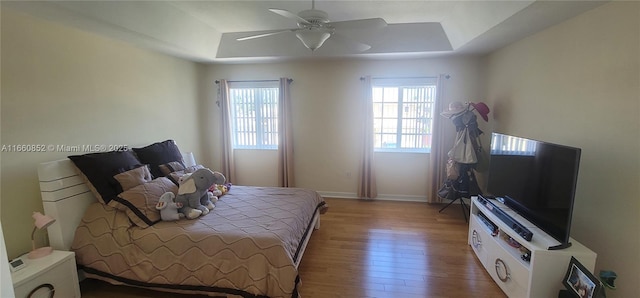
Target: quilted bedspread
[247,246]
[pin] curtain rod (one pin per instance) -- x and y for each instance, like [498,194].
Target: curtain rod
[242,81]
[445,76]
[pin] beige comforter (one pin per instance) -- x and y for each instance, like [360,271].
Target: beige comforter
[247,246]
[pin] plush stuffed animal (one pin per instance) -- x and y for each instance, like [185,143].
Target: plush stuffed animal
[193,190]
[214,195]
[222,189]
[208,201]
[211,201]
[213,191]
[168,208]
[212,198]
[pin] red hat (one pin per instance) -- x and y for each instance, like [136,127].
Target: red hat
[482,109]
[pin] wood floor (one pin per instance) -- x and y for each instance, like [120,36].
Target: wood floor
[376,249]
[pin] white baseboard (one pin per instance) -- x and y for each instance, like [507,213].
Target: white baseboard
[381,197]
[342,195]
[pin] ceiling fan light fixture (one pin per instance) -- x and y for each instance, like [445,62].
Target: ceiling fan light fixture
[313,38]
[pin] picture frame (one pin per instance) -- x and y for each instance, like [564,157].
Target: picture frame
[580,282]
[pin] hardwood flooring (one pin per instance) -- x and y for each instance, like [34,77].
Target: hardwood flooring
[376,249]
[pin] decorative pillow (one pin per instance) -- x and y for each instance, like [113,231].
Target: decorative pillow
[158,154]
[97,170]
[133,178]
[175,176]
[192,169]
[171,167]
[139,202]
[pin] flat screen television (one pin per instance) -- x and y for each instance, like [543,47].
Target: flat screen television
[537,180]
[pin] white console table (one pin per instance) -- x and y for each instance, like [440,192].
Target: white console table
[501,254]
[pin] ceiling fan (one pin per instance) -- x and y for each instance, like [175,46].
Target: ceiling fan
[314,28]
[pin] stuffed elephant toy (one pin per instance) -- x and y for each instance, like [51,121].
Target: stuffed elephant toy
[168,208]
[193,191]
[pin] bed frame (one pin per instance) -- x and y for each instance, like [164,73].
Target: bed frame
[65,197]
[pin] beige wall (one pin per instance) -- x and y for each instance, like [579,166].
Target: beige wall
[578,84]
[66,87]
[328,123]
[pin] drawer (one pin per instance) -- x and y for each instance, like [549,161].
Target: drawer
[61,277]
[508,273]
[480,240]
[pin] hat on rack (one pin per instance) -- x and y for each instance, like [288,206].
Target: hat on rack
[482,109]
[455,108]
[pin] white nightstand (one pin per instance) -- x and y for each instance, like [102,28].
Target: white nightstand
[57,270]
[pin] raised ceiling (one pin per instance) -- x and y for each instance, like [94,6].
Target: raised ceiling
[206,31]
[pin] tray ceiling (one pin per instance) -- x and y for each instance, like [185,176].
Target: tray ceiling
[206,31]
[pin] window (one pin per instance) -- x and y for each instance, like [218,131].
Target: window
[254,114]
[403,114]
[510,145]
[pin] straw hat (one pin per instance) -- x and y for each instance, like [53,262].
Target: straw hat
[455,108]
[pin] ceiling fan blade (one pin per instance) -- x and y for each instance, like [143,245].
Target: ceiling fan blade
[375,23]
[288,14]
[349,43]
[265,34]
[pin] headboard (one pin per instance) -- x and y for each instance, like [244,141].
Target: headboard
[65,197]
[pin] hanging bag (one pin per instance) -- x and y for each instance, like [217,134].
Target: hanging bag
[463,151]
[447,191]
[453,169]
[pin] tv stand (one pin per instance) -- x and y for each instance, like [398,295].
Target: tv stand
[560,246]
[521,268]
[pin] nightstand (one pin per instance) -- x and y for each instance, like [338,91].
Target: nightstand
[56,271]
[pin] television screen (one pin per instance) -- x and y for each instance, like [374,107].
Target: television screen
[536,179]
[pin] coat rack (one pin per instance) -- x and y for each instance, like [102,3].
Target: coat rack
[463,157]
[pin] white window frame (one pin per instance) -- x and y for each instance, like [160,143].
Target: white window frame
[427,113]
[245,129]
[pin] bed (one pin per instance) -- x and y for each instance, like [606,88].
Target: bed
[250,245]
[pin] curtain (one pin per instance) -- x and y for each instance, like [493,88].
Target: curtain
[438,157]
[367,177]
[285,136]
[228,168]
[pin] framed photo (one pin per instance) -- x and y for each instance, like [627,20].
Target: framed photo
[580,282]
